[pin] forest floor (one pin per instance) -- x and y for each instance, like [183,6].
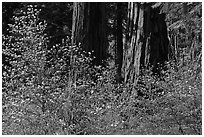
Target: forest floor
[168,107]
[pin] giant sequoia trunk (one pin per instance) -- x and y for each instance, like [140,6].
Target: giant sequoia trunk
[119,41]
[88,29]
[146,40]
[155,48]
[134,42]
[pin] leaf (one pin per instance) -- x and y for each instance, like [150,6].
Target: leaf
[177,24]
[197,8]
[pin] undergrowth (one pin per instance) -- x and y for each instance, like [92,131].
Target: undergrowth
[65,98]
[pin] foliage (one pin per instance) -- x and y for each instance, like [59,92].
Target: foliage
[184,21]
[32,92]
[58,16]
[172,107]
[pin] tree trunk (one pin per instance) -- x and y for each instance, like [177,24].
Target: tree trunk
[155,49]
[88,29]
[134,41]
[146,40]
[119,38]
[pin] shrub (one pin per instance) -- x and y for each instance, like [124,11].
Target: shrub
[62,96]
[36,96]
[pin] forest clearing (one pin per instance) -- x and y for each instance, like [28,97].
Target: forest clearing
[101,68]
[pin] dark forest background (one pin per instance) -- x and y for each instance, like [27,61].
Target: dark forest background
[101,68]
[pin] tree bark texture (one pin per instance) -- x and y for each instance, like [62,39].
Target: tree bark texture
[119,42]
[134,41]
[155,48]
[89,29]
[147,41]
